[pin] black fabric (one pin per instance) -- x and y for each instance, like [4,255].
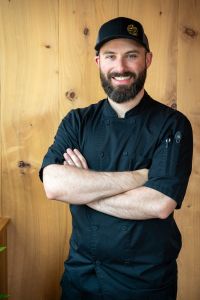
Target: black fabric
[70,292]
[125,256]
[121,27]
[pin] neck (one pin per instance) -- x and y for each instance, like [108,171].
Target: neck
[122,108]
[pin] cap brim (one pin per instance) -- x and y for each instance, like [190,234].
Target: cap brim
[105,40]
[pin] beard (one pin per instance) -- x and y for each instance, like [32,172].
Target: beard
[123,93]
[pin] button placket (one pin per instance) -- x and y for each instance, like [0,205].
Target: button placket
[100,276]
[107,122]
[93,232]
[101,154]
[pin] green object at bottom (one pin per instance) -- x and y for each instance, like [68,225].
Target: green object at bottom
[2,248]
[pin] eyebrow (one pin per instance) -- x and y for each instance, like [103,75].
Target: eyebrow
[128,52]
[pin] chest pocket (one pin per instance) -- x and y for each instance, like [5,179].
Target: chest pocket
[170,155]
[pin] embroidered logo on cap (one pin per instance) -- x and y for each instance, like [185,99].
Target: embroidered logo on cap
[132,30]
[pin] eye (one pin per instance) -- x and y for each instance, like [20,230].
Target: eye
[132,56]
[110,56]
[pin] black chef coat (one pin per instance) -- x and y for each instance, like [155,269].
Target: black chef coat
[113,255]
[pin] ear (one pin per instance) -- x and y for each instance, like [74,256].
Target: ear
[149,56]
[97,58]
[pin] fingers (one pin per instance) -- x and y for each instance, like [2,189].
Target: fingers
[75,158]
[72,159]
[81,158]
[68,160]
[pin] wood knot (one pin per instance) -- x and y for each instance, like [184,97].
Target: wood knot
[174,105]
[70,95]
[190,32]
[48,46]
[86,31]
[22,164]
[189,205]
[160,13]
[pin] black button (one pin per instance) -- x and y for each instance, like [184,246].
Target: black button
[101,154]
[94,227]
[125,153]
[124,228]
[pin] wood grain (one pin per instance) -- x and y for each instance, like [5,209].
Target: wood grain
[78,29]
[188,74]
[47,68]
[29,46]
[159,19]
[3,223]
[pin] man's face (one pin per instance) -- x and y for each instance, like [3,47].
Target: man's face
[123,64]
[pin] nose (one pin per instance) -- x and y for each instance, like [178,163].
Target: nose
[120,65]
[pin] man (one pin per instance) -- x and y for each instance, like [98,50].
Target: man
[123,164]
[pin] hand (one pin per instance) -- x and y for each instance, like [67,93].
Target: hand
[74,158]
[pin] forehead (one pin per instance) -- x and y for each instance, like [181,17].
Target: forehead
[121,45]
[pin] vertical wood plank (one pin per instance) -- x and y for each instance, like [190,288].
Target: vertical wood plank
[47,68]
[159,19]
[79,23]
[79,83]
[29,83]
[188,74]
[0,152]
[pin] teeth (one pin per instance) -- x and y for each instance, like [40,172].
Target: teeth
[122,78]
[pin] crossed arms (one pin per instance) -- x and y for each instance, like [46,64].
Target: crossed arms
[119,194]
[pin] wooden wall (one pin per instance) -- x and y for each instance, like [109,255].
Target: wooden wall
[47,68]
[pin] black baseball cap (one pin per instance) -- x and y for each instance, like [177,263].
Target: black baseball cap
[121,28]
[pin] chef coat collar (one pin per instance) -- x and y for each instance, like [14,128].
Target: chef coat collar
[110,112]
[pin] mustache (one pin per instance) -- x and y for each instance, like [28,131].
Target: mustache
[115,74]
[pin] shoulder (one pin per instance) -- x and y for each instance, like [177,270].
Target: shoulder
[81,114]
[166,114]
[92,108]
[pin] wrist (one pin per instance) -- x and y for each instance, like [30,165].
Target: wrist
[140,177]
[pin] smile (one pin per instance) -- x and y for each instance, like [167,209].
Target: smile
[121,78]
